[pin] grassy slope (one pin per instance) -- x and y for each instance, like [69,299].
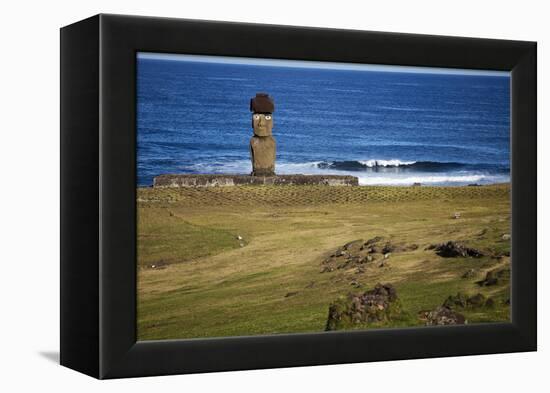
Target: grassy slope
[206,284]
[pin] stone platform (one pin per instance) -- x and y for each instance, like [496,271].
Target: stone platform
[175,181]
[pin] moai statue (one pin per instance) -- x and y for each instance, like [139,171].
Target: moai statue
[262,144]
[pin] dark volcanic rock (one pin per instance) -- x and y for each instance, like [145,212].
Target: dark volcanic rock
[358,252]
[349,255]
[495,277]
[374,240]
[452,249]
[444,316]
[469,273]
[462,301]
[377,305]
[477,300]
[354,246]
[400,247]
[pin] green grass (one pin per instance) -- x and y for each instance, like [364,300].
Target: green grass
[164,239]
[208,285]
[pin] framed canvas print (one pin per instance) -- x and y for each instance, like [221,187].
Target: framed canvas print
[239,196]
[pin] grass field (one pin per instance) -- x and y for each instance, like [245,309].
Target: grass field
[248,260]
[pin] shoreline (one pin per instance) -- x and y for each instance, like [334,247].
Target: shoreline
[230,180]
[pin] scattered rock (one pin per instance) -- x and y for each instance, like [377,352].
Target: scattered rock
[494,277]
[390,247]
[469,273]
[506,237]
[376,305]
[481,233]
[452,250]
[239,237]
[461,300]
[358,252]
[444,316]
[477,300]
[160,264]
[456,215]
[354,246]
[374,240]
[310,285]
[355,284]
[289,294]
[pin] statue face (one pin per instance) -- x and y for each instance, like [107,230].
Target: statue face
[262,124]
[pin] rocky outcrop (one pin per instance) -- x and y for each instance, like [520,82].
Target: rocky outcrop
[377,305]
[444,316]
[453,249]
[447,313]
[469,273]
[461,300]
[358,252]
[496,276]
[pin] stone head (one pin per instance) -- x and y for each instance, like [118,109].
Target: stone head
[262,107]
[262,123]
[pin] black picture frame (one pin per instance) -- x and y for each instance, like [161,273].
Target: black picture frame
[98,195]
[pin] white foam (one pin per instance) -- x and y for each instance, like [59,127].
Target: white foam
[385,163]
[430,179]
[396,179]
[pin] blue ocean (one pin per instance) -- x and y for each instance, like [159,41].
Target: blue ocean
[386,128]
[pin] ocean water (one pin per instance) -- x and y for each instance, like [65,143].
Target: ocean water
[383,127]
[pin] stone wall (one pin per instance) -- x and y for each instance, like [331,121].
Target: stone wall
[174,181]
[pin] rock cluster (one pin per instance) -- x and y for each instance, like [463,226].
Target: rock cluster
[461,300]
[453,249]
[444,316]
[377,305]
[495,277]
[469,273]
[359,252]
